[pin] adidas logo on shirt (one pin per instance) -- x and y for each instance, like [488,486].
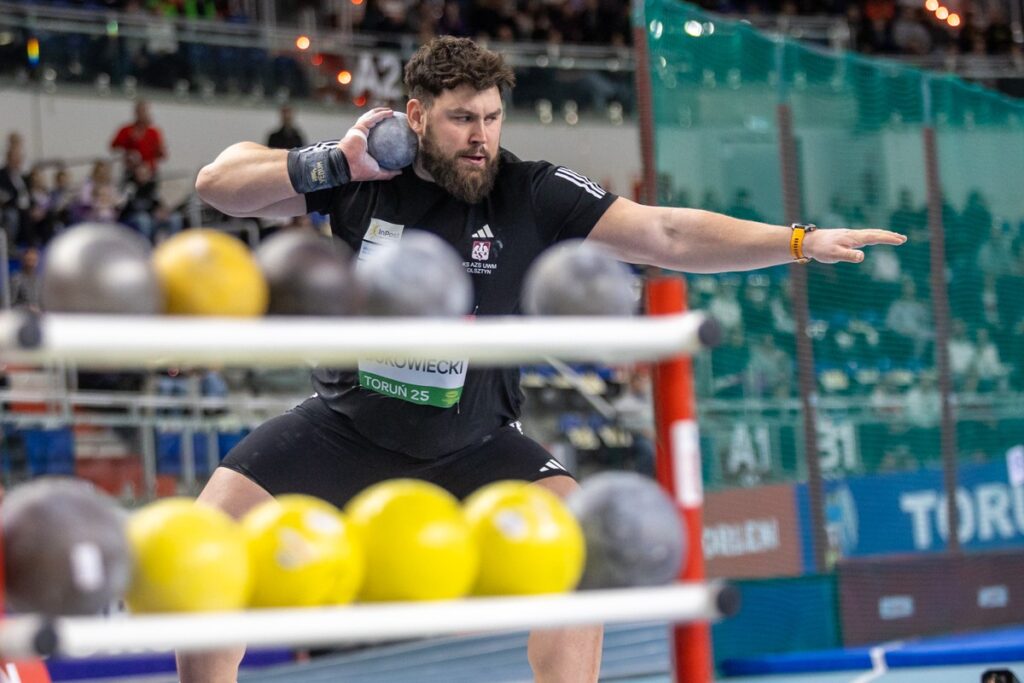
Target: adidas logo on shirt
[552,464]
[484,233]
[588,185]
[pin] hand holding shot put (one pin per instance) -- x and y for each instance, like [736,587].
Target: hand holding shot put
[250,179]
[445,421]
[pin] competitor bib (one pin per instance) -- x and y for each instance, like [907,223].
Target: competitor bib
[435,383]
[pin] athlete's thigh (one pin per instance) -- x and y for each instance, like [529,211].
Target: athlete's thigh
[292,454]
[508,454]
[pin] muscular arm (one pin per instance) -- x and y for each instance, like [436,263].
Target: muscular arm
[246,178]
[699,241]
[249,179]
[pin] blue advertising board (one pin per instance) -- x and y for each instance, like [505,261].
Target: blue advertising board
[905,512]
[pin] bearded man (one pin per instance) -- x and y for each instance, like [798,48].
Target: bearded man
[499,213]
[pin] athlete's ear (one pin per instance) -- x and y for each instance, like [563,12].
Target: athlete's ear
[416,110]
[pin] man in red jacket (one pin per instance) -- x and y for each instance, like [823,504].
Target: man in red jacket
[141,141]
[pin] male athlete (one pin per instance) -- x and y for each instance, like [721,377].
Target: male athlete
[499,213]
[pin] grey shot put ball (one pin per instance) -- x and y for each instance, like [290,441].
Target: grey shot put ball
[100,268]
[308,274]
[579,278]
[633,531]
[392,143]
[418,275]
[65,547]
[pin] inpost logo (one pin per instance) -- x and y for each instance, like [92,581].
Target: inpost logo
[382,231]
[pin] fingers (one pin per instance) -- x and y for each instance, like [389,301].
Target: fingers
[868,237]
[851,256]
[372,118]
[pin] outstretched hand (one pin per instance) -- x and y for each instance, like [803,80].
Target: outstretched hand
[842,245]
[361,165]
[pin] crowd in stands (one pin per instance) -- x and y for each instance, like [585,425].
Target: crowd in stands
[165,58]
[40,201]
[895,26]
[877,317]
[874,331]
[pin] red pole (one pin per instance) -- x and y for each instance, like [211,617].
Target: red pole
[679,471]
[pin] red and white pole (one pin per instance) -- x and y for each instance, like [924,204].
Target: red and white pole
[678,467]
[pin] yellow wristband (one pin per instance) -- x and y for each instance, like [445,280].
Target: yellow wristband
[796,240]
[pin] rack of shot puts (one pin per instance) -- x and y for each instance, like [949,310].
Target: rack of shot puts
[31,635]
[148,341]
[668,337]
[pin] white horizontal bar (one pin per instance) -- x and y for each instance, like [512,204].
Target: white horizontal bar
[28,636]
[279,341]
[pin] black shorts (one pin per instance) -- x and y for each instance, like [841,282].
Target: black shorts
[313,450]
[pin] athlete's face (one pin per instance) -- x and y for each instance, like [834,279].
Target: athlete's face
[459,137]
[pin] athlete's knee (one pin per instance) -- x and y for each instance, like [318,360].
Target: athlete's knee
[561,485]
[219,666]
[232,492]
[566,655]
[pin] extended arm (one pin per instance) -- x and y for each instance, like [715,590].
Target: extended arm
[249,179]
[699,241]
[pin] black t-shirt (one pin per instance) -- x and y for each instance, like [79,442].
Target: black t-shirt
[532,205]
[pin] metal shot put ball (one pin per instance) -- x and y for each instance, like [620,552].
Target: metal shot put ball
[392,143]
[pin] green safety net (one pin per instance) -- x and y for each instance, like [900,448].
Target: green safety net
[719,89]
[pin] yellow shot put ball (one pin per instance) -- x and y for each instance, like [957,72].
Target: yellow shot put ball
[529,541]
[188,558]
[207,272]
[417,542]
[303,553]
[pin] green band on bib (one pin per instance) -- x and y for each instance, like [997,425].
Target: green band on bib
[413,393]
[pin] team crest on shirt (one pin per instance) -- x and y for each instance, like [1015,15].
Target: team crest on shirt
[481,250]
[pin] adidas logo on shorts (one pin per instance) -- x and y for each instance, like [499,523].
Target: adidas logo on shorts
[552,464]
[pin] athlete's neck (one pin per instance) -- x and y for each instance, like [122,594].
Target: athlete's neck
[417,167]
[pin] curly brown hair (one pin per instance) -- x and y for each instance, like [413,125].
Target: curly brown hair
[447,62]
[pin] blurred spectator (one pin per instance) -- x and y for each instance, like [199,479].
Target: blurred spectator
[910,319]
[905,217]
[38,227]
[25,284]
[923,402]
[842,213]
[998,34]
[742,208]
[782,317]
[710,202]
[287,136]
[991,312]
[634,412]
[976,215]
[453,20]
[725,308]
[62,197]
[913,222]
[728,364]
[961,352]
[770,370]
[987,365]
[909,35]
[143,209]
[996,255]
[15,198]
[140,140]
[98,199]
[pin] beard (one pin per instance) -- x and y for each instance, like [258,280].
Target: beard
[466,183]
